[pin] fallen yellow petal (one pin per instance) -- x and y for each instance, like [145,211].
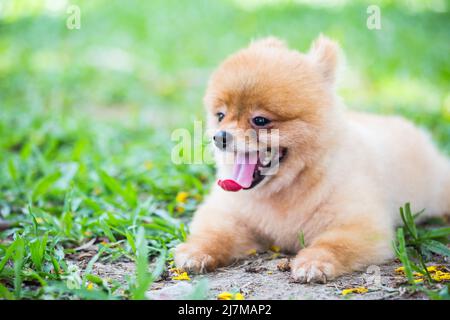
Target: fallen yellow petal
[418,280]
[181,276]
[251,252]
[180,209]
[436,268]
[148,165]
[432,268]
[239,296]
[225,296]
[441,276]
[274,256]
[230,296]
[176,270]
[275,248]
[90,286]
[400,270]
[182,197]
[358,290]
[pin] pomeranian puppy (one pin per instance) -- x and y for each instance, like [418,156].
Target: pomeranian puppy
[339,177]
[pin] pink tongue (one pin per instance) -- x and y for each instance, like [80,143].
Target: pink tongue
[244,167]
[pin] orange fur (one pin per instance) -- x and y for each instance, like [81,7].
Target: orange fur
[341,184]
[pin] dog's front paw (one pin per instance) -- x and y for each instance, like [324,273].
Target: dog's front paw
[190,258]
[309,269]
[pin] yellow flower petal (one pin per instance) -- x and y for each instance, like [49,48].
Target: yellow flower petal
[180,209]
[438,268]
[441,276]
[182,276]
[239,296]
[148,165]
[358,290]
[90,286]
[274,256]
[400,270]
[251,252]
[225,296]
[176,271]
[432,268]
[181,197]
[418,280]
[275,248]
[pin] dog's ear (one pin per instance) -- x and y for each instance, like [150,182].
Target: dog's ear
[325,53]
[268,42]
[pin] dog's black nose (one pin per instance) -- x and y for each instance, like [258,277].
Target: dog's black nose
[221,139]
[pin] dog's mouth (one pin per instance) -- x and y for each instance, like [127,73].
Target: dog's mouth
[249,169]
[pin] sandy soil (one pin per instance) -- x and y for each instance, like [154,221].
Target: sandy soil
[263,277]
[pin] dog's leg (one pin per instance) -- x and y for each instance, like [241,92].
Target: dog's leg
[341,249]
[217,238]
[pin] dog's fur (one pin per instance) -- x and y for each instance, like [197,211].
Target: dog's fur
[344,178]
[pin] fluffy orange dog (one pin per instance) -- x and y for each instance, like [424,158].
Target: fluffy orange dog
[341,176]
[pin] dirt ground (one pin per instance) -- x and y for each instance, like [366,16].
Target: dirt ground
[262,277]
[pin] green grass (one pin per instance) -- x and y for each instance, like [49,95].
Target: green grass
[415,246]
[86,117]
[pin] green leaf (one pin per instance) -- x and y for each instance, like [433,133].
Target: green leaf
[8,255]
[402,254]
[128,194]
[436,233]
[37,251]
[19,254]
[437,247]
[43,185]
[91,263]
[408,220]
[107,231]
[12,170]
[5,293]
[131,242]
[301,239]
[183,232]
[143,277]
[67,223]
[94,279]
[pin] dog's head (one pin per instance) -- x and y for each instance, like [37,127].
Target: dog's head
[270,110]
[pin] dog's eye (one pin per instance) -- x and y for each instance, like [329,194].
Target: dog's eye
[260,121]
[220,116]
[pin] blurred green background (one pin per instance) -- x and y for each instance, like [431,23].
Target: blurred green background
[86,114]
[155,56]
